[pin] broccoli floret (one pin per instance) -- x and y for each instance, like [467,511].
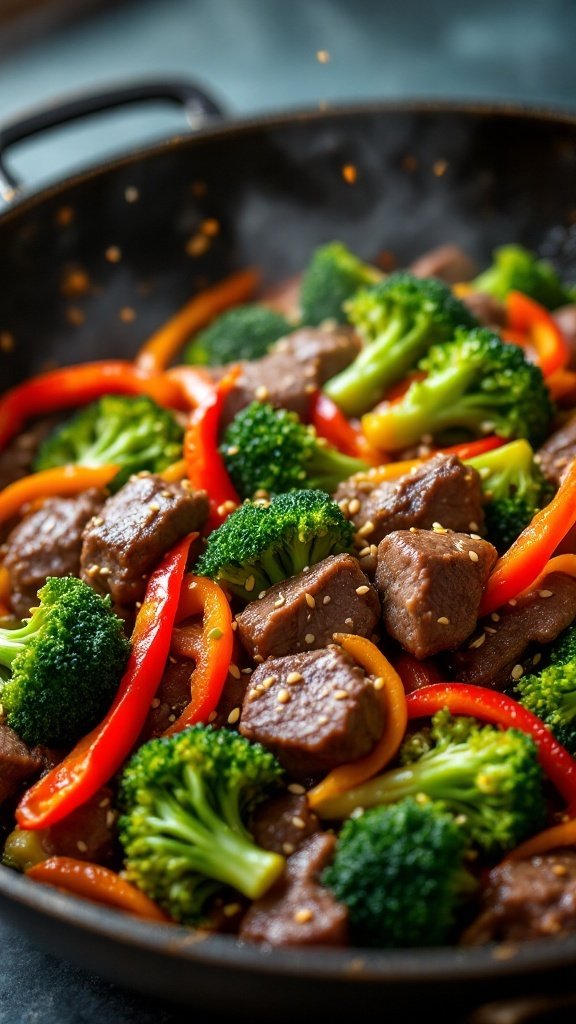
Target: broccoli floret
[332,276]
[489,778]
[258,545]
[517,269]
[551,693]
[400,872]
[131,431]
[272,450]
[185,800]
[245,332]
[476,384]
[399,319]
[514,487]
[64,662]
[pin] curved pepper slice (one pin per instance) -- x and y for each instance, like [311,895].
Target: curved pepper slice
[532,323]
[96,883]
[563,834]
[63,480]
[331,424]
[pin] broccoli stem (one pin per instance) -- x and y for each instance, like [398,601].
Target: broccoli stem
[13,641]
[113,445]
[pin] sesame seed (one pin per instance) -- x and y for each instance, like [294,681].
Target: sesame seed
[309,638]
[303,915]
[536,659]
[490,629]
[413,529]
[443,621]
[322,719]
[517,671]
[343,505]
[340,695]
[544,593]
[284,696]
[294,677]
[326,599]
[288,848]
[93,570]
[473,556]
[479,641]
[472,526]
[171,718]
[110,819]
[438,528]
[559,870]
[495,617]
[262,393]
[279,601]
[234,671]
[233,716]
[155,702]
[268,682]
[229,909]
[254,694]
[348,621]
[379,683]
[296,788]
[232,449]
[298,822]
[258,659]
[249,584]
[234,626]
[362,590]
[367,528]
[310,601]
[82,846]
[475,536]
[357,812]
[354,506]
[104,802]
[261,595]
[226,507]
[513,602]
[247,671]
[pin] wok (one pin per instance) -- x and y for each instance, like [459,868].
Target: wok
[400,177]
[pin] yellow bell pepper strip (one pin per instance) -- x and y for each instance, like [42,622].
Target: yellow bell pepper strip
[77,385]
[518,567]
[63,480]
[211,647]
[540,332]
[499,709]
[96,757]
[98,884]
[161,348]
[391,690]
[563,834]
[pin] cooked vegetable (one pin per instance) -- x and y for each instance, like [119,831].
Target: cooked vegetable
[515,268]
[64,663]
[333,275]
[96,883]
[64,480]
[551,693]
[399,319]
[245,332]
[532,326]
[185,800]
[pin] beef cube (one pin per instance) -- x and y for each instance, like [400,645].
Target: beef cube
[45,543]
[314,711]
[18,762]
[430,583]
[448,262]
[527,899]
[494,656]
[331,348]
[304,612]
[297,910]
[282,824]
[17,458]
[487,310]
[442,490]
[135,528]
[88,833]
[558,451]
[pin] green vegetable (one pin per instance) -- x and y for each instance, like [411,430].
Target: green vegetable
[399,319]
[517,269]
[551,693]
[133,432]
[399,870]
[185,800]
[258,545]
[333,275]
[245,332]
[64,662]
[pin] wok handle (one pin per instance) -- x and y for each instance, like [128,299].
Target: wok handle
[544,1009]
[198,107]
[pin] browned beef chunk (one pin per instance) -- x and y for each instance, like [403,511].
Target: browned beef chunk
[88,833]
[292,371]
[304,612]
[18,762]
[314,710]
[527,899]
[565,317]
[448,262]
[496,652]
[442,490]
[282,824]
[487,310]
[430,584]
[297,910]
[135,528]
[16,459]
[47,543]
[558,451]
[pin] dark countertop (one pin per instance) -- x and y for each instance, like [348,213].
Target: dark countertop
[255,55]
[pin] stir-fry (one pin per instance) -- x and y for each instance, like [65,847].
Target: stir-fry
[288,610]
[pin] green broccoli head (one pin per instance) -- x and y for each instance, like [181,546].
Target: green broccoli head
[245,332]
[260,545]
[489,778]
[399,319]
[332,276]
[476,384]
[514,488]
[185,799]
[551,693]
[400,872]
[65,664]
[272,450]
[517,269]
[133,432]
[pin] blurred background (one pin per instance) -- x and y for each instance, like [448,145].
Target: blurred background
[262,55]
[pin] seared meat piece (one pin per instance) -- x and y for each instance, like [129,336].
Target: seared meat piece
[314,710]
[171,698]
[442,490]
[47,543]
[18,762]
[430,584]
[448,262]
[527,899]
[558,451]
[135,528]
[297,910]
[88,833]
[17,458]
[487,310]
[282,824]
[539,616]
[304,612]
[565,317]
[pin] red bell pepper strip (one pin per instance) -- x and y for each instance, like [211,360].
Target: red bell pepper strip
[331,424]
[529,319]
[77,385]
[211,647]
[470,449]
[96,883]
[495,707]
[518,567]
[97,756]
[414,673]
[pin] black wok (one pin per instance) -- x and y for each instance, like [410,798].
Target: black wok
[399,177]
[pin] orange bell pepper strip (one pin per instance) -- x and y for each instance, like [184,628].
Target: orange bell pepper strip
[331,424]
[175,472]
[391,690]
[529,319]
[562,387]
[77,385]
[161,348]
[518,567]
[96,883]
[5,590]
[63,480]
[96,757]
[211,647]
[560,563]
[563,834]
